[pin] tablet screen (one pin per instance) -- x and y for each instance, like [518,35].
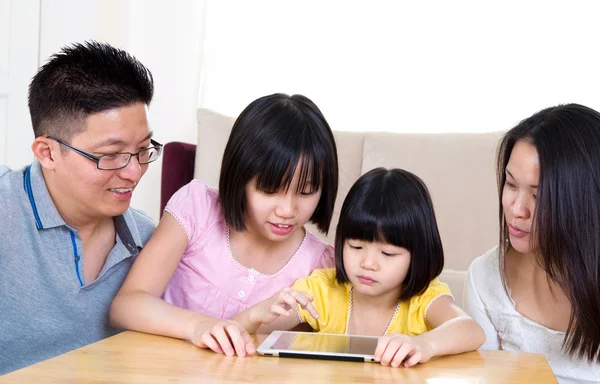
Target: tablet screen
[319,342]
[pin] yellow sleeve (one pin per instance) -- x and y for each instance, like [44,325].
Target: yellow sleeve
[316,285]
[436,289]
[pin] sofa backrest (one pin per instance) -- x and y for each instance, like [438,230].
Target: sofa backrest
[458,169]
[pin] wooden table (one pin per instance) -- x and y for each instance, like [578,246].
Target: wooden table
[132,357]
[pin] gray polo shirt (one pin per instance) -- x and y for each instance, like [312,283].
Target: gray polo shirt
[45,310]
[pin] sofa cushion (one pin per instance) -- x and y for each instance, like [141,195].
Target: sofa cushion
[213,132]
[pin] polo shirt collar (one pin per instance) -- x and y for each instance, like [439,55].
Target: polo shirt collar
[46,215]
[44,211]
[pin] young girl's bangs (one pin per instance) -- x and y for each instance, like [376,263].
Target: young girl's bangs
[378,220]
[278,173]
[278,160]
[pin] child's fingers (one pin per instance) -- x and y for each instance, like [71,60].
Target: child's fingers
[401,354]
[278,310]
[235,335]
[311,309]
[250,347]
[303,298]
[290,298]
[221,337]
[396,347]
[381,347]
[287,301]
[298,297]
[414,359]
[388,354]
[308,296]
[210,342]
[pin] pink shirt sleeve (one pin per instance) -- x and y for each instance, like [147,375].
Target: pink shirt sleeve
[327,259]
[192,206]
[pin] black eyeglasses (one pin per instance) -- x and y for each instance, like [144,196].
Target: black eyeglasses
[114,161]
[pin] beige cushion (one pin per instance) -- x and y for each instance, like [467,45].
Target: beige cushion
[213,132]
[457,168]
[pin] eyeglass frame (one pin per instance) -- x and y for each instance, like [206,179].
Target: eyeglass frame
[96,159]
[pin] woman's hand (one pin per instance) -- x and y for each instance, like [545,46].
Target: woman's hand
[397,349]
[222,336]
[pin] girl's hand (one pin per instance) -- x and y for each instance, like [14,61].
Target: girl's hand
[280,305]
[222,336]
[397,349]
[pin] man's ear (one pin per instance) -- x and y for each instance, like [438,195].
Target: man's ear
[42,150]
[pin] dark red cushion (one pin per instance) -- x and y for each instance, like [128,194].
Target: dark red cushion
[177,169]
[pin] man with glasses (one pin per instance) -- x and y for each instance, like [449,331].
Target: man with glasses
[68,235]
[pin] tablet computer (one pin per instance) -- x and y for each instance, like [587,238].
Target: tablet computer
[312,345]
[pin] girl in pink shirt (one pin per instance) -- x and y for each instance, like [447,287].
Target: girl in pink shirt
[215,254]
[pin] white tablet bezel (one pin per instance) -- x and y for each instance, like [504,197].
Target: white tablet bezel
[265,349]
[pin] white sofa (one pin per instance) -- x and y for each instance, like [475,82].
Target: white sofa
[459,170]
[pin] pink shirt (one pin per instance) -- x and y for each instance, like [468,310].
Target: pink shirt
[208,279]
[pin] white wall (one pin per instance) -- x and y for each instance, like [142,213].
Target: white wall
[409,66]
[424,66]
[64,22]
[165,36]
[19,43]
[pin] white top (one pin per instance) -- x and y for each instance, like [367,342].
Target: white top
[491,306]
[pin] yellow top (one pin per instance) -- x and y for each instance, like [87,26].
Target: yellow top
[332,301]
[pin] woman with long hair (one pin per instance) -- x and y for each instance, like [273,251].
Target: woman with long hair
[539,289]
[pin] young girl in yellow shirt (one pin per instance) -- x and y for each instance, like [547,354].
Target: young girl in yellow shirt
[388,254]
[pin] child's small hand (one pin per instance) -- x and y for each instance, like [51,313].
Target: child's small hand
[397,349]
[281,304]
[222,336]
